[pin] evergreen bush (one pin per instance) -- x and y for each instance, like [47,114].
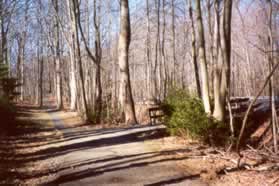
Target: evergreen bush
[185,115]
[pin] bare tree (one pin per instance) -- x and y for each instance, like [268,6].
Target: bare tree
[156,54]
[148,49]
[72,51]
[98,59]
[59,94]
[202,56]
[194,50]
[125,93]
[76,9]
[173,39]
[274,118]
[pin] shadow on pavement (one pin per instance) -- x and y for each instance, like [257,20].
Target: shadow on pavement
[77,139]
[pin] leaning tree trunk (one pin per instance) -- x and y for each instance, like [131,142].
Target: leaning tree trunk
[125,93]
[203,63]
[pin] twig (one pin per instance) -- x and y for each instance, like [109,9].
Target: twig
[251,148]
[268,167]
[270,151]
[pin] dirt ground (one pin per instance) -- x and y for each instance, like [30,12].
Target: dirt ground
[30,156]
[20,160]
[211,163]
[53,148]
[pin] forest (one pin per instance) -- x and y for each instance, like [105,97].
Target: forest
[201,70]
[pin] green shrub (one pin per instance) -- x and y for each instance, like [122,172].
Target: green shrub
[185,115]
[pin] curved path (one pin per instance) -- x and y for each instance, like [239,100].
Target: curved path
[122,156]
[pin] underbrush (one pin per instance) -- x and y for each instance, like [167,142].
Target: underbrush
[107,116]
[185,116]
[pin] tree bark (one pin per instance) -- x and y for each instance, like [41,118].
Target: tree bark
[125,93]
[217,60]
[72,51]
[77,21]
[41,64]
[163,51]
[194,50]
[274,118]
[156,57]
[203,63]
[20,65]
[98,56]
[148,51]
[173,43]
[59,94]
[222,74]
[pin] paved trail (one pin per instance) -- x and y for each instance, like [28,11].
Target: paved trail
[113,156]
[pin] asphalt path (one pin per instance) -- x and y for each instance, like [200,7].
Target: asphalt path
[118,156]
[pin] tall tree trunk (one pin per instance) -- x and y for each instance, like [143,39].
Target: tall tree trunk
[2,31]
[20,65]
[222,74]
[156,57]
[3,53]
[125,93]
[203,63]
[41,64]
[59,94]
[95,58]
[173,43]
[163,51]
[24,35]
[77,21]
[217,60]
[99,91]
[72,50]
[148,51]
[98,56]
[226,50]
[209,4]
[274,117]
[194,50]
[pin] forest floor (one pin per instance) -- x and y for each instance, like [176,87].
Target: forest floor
[55,148]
